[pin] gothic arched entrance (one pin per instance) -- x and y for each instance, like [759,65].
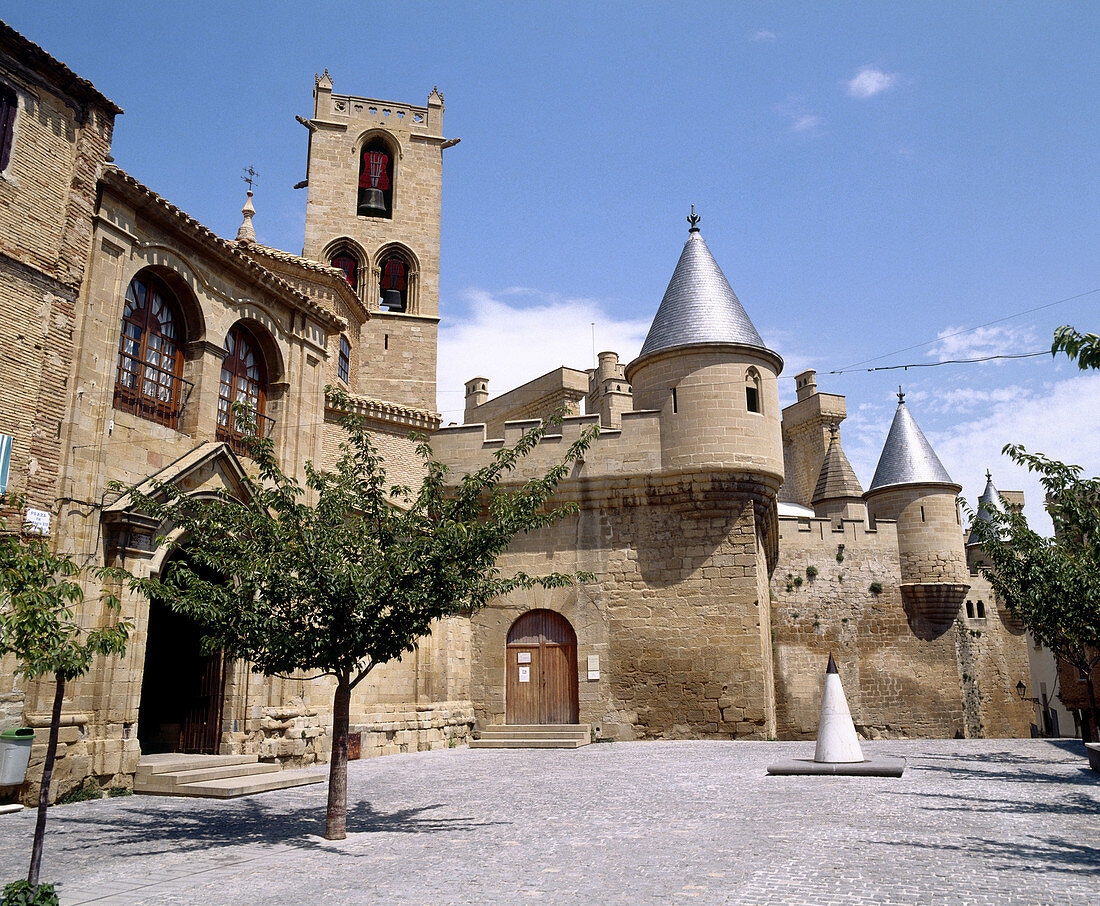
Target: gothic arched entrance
[541,670]
[182,689]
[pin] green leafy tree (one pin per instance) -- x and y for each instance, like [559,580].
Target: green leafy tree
[347,573]
[39,592]
[1084,348]
[1052,585]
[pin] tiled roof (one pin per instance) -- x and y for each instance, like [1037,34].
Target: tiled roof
[34,57]
[124,181]
[837,478]
[333,275]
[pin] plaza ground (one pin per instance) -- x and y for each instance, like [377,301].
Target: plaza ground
[971,821]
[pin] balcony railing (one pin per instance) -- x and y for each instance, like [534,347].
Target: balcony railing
[150,392]
[237,433]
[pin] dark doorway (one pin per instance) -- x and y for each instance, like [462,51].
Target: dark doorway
[542,670]
[182,689]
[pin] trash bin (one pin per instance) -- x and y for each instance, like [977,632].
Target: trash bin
[15,755]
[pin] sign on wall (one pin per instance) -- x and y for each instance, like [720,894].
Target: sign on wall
[37,521]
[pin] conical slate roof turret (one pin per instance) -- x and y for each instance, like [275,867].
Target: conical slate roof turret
[837,478]
[991,497]
[699,305]
[907,457]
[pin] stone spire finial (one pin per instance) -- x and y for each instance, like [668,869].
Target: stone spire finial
[436,93]
[247,232]
[323,81]
[693,219]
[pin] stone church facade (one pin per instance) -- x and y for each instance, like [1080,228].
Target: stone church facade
[732,545]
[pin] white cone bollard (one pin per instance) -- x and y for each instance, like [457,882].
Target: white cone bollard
[837,742]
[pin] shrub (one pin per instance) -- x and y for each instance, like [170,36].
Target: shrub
[876,588]
[811,572]
[21,893]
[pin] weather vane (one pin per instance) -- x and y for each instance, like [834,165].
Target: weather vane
[694,219]
[250,178]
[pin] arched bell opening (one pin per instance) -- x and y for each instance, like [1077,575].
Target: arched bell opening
[542,685]
[376,178]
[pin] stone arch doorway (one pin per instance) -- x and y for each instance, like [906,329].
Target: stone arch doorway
[182,689]
[541,670]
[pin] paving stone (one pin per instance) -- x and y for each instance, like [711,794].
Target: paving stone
[972,821]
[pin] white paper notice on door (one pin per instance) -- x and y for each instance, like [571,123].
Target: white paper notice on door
[523,657]
[525,674]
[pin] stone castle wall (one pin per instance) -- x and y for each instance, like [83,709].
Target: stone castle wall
[904,674]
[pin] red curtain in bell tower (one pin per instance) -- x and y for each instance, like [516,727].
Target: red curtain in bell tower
[393,275]
[375,172]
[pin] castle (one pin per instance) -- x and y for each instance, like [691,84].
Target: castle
[733,546]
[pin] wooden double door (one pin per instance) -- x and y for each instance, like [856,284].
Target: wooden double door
[542,670]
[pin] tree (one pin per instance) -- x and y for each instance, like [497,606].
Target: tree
[38,594]
[347,573]
[1052,585]
[1085,348]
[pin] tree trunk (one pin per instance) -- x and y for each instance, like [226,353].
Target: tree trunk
[47,776]
[1095,736]
[336,820]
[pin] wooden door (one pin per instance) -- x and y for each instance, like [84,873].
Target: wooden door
[541,670]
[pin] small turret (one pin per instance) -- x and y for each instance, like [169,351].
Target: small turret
[991,498]
[912,487]
[477,393]
[838,494]
[609,394]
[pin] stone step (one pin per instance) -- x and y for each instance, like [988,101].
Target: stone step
[172,762]
[536,731]
[528,743]
[232,787]
[169,781]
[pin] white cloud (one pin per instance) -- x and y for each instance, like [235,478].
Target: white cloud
[869,81]
[512,341]
[1053,418]
[801,119]
[1000,339]
[763,35]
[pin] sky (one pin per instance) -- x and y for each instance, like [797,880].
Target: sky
[883,184]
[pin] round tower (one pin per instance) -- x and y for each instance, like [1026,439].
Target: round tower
[708,372]
[912,487]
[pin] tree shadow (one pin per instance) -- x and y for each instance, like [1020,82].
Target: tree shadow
[1012,766]
[1071,805]
[198,825]
[1031,853]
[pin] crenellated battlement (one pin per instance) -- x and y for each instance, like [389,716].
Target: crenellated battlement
[826,534]
[633,448]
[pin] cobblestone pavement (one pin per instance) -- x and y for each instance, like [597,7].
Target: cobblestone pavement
[992,821]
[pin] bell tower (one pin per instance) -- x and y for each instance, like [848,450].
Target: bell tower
[375,189]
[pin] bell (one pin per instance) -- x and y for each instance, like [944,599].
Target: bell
[391,300]
[373,203]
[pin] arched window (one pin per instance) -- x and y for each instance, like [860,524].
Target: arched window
[150,364]
[344,362]
[376,180]
[394,282]
[754,396]
[244,381]
[349,266]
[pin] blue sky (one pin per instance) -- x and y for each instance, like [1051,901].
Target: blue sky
[870,176]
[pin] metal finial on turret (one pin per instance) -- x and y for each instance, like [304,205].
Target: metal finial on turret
[901,395]
[693,219]
[988,475]
[834,431]
[247,232]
